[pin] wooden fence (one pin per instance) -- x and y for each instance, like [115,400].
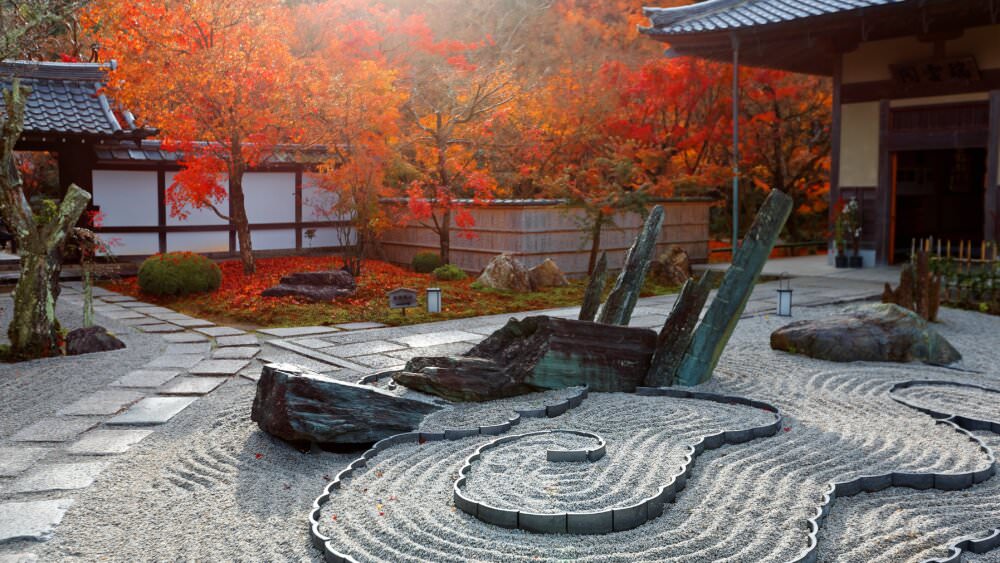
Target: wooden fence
[533,231]
[970,272]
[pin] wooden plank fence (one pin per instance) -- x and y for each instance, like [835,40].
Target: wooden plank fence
[969,270]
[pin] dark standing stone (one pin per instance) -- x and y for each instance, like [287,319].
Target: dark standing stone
[595,289]
[314,286]
[617,310]
[883,332]
[675,337]
[303,406]
[712,335]
[534,354]
[91,339]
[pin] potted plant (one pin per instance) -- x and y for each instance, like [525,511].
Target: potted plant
[852,224]
[840,259]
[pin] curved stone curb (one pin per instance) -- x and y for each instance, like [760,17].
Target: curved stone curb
[919,481]
[323,542]
[968,423]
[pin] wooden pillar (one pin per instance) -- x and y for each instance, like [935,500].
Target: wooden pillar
[883,192]
[991,203]
[161,207]
[298,208]
[835,137]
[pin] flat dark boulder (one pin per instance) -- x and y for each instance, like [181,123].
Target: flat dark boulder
[876,333]
[535,354]
[90,340]
[315,286]
[298,405]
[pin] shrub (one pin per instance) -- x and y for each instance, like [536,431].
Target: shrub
[426,262]
[449,272]
[178,273]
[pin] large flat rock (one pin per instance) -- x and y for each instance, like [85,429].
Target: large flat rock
[32,521]
[298,405]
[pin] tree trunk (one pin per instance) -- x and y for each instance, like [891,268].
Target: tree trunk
[595,241]
[240,221]
[444,234]
[34,330]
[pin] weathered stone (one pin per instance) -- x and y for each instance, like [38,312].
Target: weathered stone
[507,273]
[595,289]
[299,405]
[712,335]
[672,267]
[315,286]
[675,337]
[617,310]
[547,274]
[919,288]
[34,521]
[91,339]
[883,332]
[534,354]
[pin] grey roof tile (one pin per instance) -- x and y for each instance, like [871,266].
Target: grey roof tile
[719,15]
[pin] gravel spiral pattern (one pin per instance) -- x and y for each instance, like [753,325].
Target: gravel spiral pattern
[745,502]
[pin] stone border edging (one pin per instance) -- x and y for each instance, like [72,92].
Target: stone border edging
[323,543]
[919,481]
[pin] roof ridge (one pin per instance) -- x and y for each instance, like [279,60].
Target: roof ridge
[662,17]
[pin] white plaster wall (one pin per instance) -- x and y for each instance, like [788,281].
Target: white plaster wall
[316,201]
[270,197]
[282,239]
[126,197]
[859,144]
[216,241]
[203,216]
[128,244]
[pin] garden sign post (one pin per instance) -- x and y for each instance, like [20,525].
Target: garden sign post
[401,298]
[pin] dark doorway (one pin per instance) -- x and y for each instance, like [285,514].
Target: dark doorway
[938,193]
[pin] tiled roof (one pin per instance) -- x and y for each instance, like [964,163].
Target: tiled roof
[152,151]
[725,15]
[65,97]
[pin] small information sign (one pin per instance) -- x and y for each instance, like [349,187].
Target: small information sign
[402,297]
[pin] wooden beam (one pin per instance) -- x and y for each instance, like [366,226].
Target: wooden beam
[991,201]
[161,204]
[883,193]
[890,89]
[835,139]
[298,208]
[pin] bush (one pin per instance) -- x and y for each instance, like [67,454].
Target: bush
[449,272]
[426,262]
[178,273]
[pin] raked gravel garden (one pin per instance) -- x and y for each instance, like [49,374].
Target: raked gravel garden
[211,486]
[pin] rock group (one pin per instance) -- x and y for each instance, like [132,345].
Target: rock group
[314,286]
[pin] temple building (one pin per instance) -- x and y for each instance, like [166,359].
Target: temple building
[916,116]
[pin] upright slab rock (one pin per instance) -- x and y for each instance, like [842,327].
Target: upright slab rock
[595,289]
[675,337]
[617,310]
[712,335]
[883,332]
[298,405]
[535,354]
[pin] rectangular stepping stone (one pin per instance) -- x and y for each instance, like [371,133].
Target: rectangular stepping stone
[117,298]
[363,348]
[191,323]
[189,348]
[153,309]
[57,477]
[135,304]
[192,385]
[18,558]
[293,331]
[183,337]
[123,315]
[17,459]
[184,361]
[453,349]
[219,367]
[107,442]
[103,402]
[235,353]
[152,410]
[31,521]
[360,326]
[220,331]
[378,361]
[435,338]
[313,343]
[237,340]
[160,328]
[141,321]
[145,378]
[58,429]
